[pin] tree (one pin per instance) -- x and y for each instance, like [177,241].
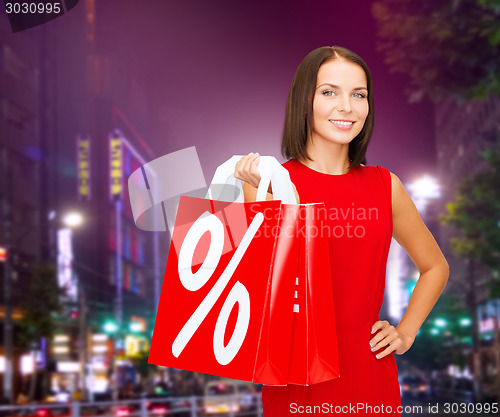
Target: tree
[141,364]
[40,304]
[447,47]
[476,214]
[436,351]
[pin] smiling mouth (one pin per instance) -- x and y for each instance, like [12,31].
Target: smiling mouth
[341,122]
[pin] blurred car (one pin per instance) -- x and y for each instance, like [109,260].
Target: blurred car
[454,389]
[414,386]
[168,406]
[228,395]
[157,409]
[123,410]
[52,410]
[180,407]
[157,405]
[441,388]
[464,390]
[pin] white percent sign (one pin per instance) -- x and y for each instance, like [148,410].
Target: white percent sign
[193,282]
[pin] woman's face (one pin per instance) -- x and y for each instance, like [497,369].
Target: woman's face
[340,104]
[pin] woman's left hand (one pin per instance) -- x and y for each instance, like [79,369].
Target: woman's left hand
[389,335]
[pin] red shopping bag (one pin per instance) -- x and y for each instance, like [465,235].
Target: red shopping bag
[210,315]
[314,352]
[238,276]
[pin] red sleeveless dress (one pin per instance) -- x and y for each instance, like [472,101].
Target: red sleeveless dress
[359,216]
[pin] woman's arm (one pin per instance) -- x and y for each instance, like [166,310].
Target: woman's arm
[250,193]
[246,170]
[415,238]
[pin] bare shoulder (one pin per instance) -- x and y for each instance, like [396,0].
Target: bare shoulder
[403,207]
[398,190]
[395,181]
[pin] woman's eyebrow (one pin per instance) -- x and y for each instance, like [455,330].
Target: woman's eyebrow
[336,86]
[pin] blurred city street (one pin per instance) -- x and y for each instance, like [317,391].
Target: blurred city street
[92,96]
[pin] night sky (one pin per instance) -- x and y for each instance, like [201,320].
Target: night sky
[217,74]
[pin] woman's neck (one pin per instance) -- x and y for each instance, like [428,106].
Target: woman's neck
[328,158]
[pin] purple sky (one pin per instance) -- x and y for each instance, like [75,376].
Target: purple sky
[218,74]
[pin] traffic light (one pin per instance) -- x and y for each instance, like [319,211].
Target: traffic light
[110,327]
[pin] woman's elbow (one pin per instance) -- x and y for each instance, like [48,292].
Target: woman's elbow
[446,268]
[444,272]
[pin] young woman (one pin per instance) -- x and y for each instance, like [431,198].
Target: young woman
[328,124]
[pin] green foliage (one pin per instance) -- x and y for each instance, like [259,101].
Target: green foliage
[141,364]
[436,352]
[492,3]
[448,48]
[40,303]
[427,352]
[476,213]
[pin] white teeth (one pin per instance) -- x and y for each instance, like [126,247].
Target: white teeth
[341,123]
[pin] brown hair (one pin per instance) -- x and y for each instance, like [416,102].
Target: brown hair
[299,105]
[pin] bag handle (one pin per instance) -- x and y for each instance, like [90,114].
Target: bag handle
[225,187]
[281,183]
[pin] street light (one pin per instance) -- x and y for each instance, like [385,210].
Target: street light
[464,322]
[440,322]
[110,327]
[135,327]
[424,189]
[72,219]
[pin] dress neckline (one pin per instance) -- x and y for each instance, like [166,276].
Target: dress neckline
[323,173]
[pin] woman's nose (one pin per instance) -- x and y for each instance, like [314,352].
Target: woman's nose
[344,104]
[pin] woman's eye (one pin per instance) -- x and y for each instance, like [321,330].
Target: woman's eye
[331,93]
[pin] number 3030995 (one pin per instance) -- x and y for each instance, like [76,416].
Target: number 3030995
[32,7]
[464,408]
